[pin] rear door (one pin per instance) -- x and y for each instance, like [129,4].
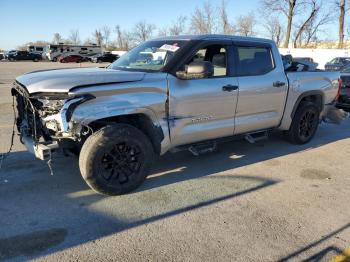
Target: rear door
[263,87]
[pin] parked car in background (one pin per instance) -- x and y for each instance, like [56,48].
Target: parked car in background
[24,55]
[1,56]
[338,64]
[7,53]
[309,59]
[71,59]
[107,57]
[343,101]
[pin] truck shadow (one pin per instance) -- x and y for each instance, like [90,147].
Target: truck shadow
[61,212]
[236,154]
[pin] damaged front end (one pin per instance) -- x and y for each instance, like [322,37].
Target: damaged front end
[43,119]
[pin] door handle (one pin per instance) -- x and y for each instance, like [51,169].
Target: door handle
[229,88]
[279,84]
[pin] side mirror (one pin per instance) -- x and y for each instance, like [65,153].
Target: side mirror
[196,70]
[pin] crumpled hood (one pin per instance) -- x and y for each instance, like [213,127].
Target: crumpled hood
[62,80]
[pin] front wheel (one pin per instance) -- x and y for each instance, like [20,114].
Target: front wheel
[116,159]
[304,124]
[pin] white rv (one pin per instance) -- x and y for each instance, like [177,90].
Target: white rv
[54,51]
[36,49]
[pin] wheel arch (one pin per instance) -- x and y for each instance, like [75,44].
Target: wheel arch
[315,96]
[139,120]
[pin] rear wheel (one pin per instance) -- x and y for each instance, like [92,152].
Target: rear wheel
[304,124]
[116,159]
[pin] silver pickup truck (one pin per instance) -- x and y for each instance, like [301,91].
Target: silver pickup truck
[168,94]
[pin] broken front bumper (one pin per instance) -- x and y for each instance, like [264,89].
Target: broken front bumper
[42,150]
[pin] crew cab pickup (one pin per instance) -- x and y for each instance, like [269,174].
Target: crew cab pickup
[168,94]
[24,55]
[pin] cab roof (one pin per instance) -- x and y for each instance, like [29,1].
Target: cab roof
[215,37]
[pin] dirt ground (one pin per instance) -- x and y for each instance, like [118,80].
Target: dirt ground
[270,201]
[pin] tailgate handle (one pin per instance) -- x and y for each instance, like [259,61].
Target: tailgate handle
[279,84]
[229,88]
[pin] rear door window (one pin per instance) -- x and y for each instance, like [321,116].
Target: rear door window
[254,61]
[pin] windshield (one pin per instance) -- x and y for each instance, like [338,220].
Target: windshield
[340,60]
[149,56]
[346,69]
[334,61]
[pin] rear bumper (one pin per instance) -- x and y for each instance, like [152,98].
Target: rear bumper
[41,151]
[344,106]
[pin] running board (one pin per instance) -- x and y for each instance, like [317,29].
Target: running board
[256,137]
[203,148]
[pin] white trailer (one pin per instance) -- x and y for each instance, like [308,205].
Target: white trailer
[54,51]
[37,49]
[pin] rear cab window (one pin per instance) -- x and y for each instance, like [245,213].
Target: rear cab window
[254,60]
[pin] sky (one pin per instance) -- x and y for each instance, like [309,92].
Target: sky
[40,19]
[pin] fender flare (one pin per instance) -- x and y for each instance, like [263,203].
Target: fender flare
[307,94]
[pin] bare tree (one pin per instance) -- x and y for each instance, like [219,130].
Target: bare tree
[74,37]
[287,8]
[57,38]
[227,28]
[88,41]
[106,33]
[38,43]
[178,27]
[308,29]
[125,39]
[129,41]
[203,19]
[120,40]
[274,29]
[143,31]
[97,35]
[163,31]
[314,27]
[342,11]
[315,8]
[245,25]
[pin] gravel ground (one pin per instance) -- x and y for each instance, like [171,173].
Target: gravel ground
[271,201]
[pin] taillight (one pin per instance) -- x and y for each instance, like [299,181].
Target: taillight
[340,83]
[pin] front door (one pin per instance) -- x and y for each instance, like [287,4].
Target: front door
[203,109]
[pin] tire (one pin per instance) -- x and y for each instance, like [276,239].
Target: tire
[116,159]
[54,59]
[12,59]
[35,60]
[304,124]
